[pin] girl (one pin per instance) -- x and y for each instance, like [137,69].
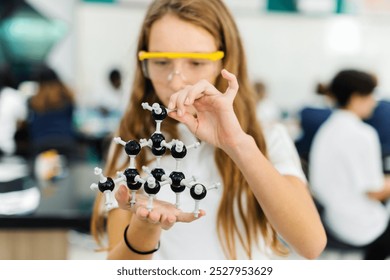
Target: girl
[191,60]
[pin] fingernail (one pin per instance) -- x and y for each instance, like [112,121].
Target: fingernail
[170,105]
[179,113]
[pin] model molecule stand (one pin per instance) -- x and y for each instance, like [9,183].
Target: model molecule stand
[156,178]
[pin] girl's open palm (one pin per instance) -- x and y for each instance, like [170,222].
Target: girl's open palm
[163,213]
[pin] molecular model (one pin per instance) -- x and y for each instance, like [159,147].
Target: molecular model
[156,178]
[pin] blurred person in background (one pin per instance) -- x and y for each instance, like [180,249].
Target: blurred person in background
[346,171]
[112,99]
[109,98]
[98,120]
[311,116]
[268,112]
[12,111]
[380,120]
[50,121]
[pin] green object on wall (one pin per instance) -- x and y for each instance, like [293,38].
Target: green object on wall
[28,37]
[100,1]
[282,6]
[340,6]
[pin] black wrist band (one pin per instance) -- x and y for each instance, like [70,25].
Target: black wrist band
[135,250]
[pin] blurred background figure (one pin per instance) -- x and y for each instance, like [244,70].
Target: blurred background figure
[97,121]
[380,120]
[108,98]
[12,112]
[317,110]
[113,97]
[311,117]
[267,110]
[13,169]
[269,113]
[50,122]
[345,166]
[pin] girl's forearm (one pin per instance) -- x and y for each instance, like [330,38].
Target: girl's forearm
[285,200]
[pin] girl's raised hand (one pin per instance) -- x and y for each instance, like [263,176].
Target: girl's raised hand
[214,120]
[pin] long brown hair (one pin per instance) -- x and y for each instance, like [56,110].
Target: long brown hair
[238,201]
[52,93]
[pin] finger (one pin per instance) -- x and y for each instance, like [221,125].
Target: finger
[188,119]
[142,213]
[201,88]
[180,101]
[122,196]
[172,101]
[232,82]
[167,221]
[190,217]
[154,217]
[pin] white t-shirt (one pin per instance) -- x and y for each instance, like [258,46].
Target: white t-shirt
[12,109]
[199,239]
[345,164]
[268,112]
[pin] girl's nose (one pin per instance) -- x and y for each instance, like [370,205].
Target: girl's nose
[176,80]
[173,73]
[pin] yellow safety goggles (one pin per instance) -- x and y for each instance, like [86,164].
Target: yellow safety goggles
[213,56]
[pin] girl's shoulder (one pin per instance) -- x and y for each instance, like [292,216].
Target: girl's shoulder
[276,133]
[281,151]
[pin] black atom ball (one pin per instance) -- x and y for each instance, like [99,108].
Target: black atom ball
[158,152]
[132,148]
[108,185]
[196,196]
[158,173]
[177,154]
[176,178]
[150,190]
[130,174]
[161,116]
[157,138]
[134,187]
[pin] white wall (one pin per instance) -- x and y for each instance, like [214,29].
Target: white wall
[62,55]
[290,53]
[293,53]
[106,38]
